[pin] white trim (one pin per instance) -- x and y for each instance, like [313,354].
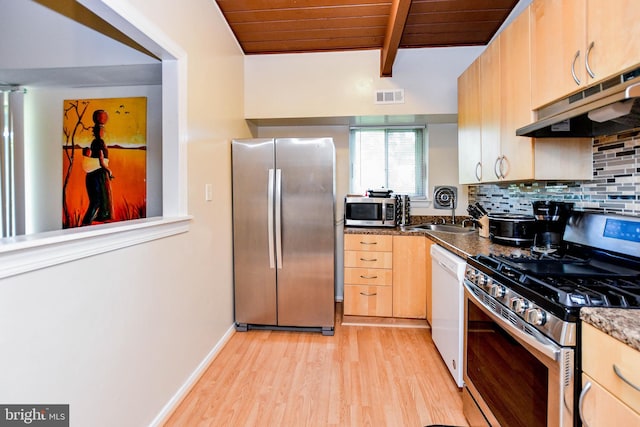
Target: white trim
[26,253]
[195,376]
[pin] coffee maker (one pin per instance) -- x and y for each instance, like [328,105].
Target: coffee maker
[551,219]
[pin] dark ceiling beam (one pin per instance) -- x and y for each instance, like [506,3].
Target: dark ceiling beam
[395,27]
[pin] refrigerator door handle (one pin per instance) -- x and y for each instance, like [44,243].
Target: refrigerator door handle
[272,261]
[279,218]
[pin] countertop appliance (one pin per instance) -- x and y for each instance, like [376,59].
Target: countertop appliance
[447,275]
[283,233]
[370,211]
[551,219]
[511,229]
[522,319]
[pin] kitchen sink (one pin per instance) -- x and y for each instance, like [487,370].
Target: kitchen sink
[445,228]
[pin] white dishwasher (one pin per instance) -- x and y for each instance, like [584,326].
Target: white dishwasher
[447,276]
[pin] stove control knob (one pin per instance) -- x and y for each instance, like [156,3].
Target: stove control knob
[482,279]
[497,291]
[519,305]
[471,275]
[536,316]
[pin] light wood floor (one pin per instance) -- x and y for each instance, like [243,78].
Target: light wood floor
[362,376]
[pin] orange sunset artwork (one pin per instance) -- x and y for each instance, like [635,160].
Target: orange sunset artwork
[104,160]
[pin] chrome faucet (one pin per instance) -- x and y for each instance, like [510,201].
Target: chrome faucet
[471,220]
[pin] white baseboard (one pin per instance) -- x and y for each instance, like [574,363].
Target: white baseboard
[177,398]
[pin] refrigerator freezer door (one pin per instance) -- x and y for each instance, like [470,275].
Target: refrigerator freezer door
[306,280]
[253,246]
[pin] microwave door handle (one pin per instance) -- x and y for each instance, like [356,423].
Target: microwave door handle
[384,212]
[537,341]
[279,218]
[272,262]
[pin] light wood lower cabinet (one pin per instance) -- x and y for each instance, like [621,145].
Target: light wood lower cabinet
[409,277]
[363,300]
[368,275]
[610,380]
[427,268]
[386,275]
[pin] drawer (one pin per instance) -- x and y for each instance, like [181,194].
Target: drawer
[368,242]
[601,408]
[365,259]
[362,300]
[368,276]
[602,355]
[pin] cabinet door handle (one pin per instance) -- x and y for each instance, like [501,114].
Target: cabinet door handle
[368,243]
[495,167]
[573,68]
[503,161]
[586,61]
[619,374]
[479,175]
[583,393]
[369,259]
[368,277]
[365,294]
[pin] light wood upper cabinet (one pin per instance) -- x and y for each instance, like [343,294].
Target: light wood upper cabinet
[409,277]
[517,152]
[571,38]
[558,34]
[469,126]
[490,105]
[490,114]
[613,27]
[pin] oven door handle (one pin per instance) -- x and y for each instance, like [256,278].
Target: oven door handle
[535,340]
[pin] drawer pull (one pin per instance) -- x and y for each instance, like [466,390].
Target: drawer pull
[365,294]
[369,259]
[619,374]
[368,243]
[368,277]
[583,393]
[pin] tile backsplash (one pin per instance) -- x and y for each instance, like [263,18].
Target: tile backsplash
[615,187]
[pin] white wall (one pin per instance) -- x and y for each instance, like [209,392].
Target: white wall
[116,335]
[443,168]
[34,36]
[344,83]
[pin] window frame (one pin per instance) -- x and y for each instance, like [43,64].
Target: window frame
[424,158]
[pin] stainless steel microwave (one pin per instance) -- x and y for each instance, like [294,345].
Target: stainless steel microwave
[370,211]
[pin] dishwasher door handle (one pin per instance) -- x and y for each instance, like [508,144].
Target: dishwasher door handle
[447,268]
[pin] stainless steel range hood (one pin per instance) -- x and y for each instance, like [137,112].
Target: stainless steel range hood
[607,108]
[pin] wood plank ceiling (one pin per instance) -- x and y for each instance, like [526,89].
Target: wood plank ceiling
[293,26]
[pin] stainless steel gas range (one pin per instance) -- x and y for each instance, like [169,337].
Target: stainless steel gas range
[522,330]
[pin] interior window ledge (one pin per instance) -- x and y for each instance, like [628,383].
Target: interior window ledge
[22,254]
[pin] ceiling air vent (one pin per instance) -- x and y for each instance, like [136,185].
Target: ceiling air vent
[394,96]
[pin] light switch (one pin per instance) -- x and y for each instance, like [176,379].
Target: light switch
[208,192]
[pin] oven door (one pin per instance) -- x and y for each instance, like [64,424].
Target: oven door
[514,376]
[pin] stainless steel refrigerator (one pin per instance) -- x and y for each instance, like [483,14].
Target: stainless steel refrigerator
[283,233]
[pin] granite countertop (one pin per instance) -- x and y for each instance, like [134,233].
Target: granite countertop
[463,245]
[622,324]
